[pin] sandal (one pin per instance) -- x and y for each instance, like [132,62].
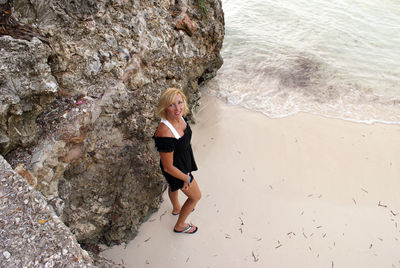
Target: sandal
[188,230]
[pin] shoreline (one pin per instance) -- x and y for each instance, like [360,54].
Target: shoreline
[299,191]
[317,113]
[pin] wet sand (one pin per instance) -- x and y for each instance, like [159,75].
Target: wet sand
[301,191]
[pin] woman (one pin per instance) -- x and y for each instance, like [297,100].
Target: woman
[172,139]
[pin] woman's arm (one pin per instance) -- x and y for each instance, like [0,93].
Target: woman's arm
[167,160]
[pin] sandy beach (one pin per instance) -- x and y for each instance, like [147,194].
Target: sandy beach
[300,191]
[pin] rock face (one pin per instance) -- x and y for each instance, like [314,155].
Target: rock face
[31,234]
[79,81]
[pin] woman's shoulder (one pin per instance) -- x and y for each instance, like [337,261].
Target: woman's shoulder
[163,139]
[163,131]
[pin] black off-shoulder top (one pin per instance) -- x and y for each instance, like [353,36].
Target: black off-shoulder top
[183,157]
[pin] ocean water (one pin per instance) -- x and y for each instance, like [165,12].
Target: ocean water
[337,59]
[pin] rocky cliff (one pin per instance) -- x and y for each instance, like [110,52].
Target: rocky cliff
[79,81]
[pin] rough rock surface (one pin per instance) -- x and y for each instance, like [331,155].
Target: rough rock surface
[79,81]
[31,235]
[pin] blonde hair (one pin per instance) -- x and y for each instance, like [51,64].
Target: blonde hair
[166,98]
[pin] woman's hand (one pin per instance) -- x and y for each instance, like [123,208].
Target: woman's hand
[186,184]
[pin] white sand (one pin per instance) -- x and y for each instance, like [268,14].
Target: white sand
[302,191]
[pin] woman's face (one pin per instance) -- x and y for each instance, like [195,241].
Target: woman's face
[175,109]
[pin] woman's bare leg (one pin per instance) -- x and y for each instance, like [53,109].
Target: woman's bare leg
[194,195]
[176,206]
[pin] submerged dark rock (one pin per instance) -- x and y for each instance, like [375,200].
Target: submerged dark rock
[77,101]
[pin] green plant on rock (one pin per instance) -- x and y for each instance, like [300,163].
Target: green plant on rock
[202,8]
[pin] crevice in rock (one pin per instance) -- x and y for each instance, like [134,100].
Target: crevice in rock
[9,26]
